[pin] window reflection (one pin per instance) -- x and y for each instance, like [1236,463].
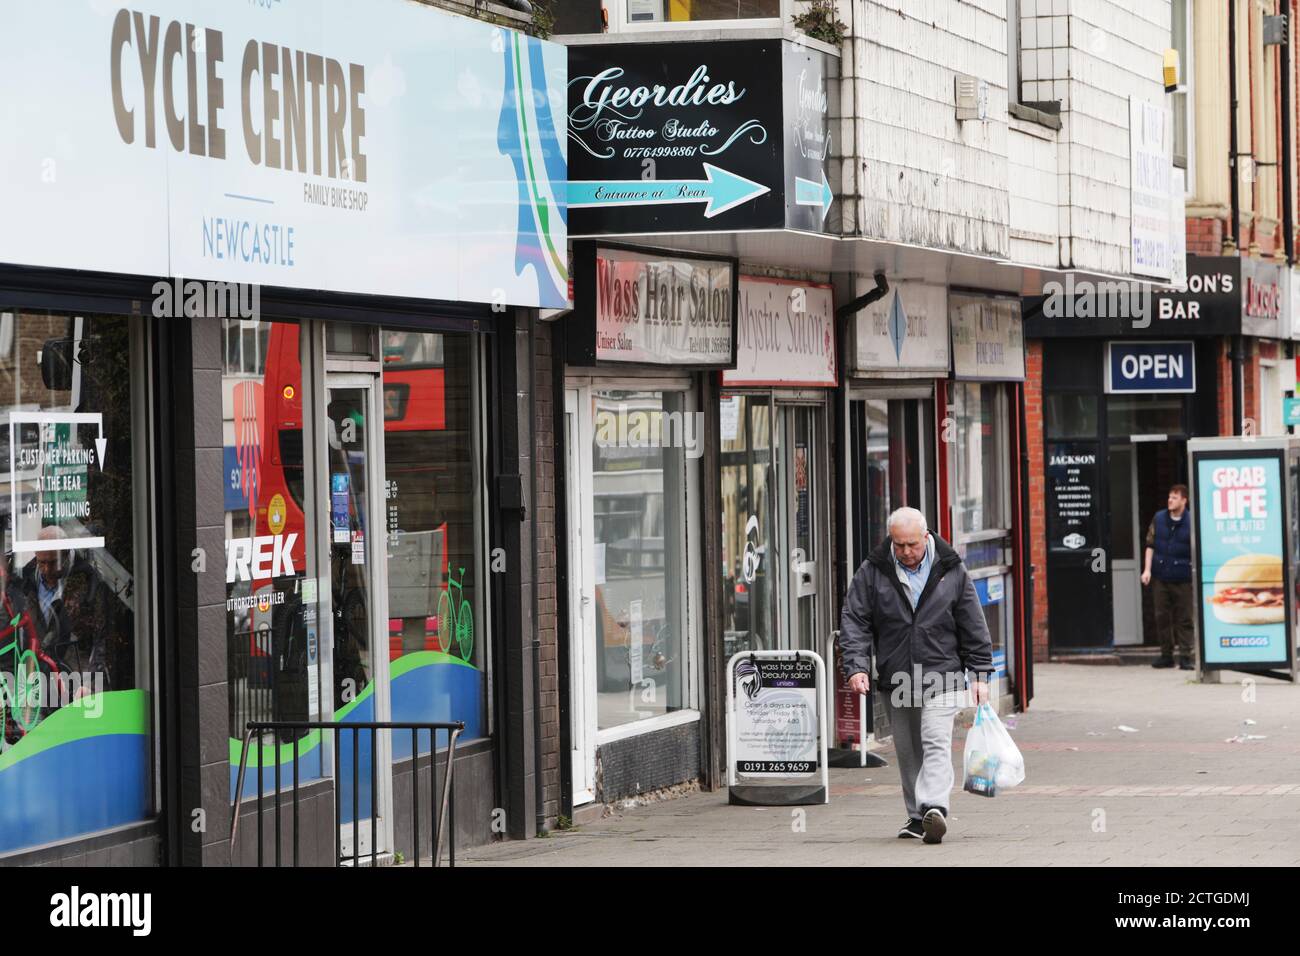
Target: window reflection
[639,535]
[436,631]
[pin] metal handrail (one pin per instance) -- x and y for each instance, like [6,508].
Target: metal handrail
[454,730]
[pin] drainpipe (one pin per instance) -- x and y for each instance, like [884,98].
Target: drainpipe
[1288,228]
[538,790]
[1234,180]
[846,311]
[1238,403]
[1238,385]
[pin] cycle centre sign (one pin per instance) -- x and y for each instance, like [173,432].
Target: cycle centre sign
[406,152]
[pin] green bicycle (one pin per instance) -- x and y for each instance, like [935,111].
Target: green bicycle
[20,684]
[455,621]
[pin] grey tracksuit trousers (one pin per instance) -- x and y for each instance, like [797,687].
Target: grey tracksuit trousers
[923,746]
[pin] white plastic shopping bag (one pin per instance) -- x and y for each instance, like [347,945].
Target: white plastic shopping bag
[993,761]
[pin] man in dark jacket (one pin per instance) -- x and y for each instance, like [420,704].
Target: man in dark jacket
[1168,569]
[912,605]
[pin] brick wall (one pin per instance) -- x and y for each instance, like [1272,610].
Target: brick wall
[1250,384]
[1225,393]
[1037,492]
[544,531]
[1205,236]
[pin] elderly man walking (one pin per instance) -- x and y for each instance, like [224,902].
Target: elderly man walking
[913,606]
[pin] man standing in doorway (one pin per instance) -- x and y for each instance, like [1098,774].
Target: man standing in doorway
[1168,570]
[914,605]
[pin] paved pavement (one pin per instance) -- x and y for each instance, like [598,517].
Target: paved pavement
[1181,787]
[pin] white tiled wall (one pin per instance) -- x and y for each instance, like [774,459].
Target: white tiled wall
[1116,51]
[921,176]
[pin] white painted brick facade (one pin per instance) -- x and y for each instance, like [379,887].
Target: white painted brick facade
[923,177]
[1004,187]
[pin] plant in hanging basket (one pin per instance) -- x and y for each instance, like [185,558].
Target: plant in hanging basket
[820,22]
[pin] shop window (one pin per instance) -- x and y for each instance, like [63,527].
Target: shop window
[749,578]
[639,537]
[245,344]
[272,594]
[681,11]
[1180,15]
[437,634]
[1071,416]
[74,658]
[1144,415]
[980,453]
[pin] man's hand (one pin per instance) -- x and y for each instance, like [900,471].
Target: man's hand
[1146,577]
[980,692]
[859,684]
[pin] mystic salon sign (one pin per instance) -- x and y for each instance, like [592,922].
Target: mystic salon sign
[786,334]
[650,308]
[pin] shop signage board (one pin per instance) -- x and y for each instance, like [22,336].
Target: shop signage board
[1291,412]
[1151,183]
[776,728]
[699,136]
[644,307]
[785,334]
[1291,322]
[1178,229]
[408,152]
[905,332]
[1150,367]
[1265,289]
[988,341]
[1210,304]
[1073,519]
[1243,576]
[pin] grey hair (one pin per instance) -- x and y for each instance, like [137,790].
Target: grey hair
[910,515]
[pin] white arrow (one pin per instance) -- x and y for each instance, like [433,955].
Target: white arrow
[101,447]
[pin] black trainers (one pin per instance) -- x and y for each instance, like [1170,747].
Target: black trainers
[1163,662]
[935,825]
[1186,665]
[912,828]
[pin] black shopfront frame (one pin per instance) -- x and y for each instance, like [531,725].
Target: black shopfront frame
[167,837]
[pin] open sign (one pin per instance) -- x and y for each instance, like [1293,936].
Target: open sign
[1145,367]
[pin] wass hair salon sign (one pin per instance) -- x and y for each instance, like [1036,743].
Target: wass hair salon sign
[651,308]
[400,151]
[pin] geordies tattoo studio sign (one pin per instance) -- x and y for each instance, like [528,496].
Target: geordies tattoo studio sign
[651,308]
[408,152]
[698,136]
